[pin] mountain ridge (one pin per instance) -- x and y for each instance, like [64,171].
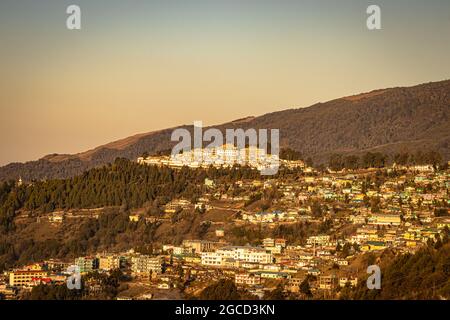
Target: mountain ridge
[387,120]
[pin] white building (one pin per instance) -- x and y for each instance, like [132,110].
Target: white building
[146,264]
[248,279]
[236,253]
[212,259]
[226,155]
[247,254]
[321,240]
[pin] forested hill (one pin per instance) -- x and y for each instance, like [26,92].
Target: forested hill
[423,275]
[123,183]
[116,190]
[389,121]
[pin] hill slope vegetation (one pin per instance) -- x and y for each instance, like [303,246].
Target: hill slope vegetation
[388,121]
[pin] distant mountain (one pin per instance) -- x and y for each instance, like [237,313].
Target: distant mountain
[389,120]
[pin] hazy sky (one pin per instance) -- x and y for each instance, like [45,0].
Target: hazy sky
[138,66]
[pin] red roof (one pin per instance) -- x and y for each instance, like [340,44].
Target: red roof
[46,280]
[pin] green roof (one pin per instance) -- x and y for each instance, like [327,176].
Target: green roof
[376,243]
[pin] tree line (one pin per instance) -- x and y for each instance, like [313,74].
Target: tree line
[423,275]
[379,160]
[122,183]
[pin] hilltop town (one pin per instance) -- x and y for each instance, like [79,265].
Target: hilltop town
[302,234]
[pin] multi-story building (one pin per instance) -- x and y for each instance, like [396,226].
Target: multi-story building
[144,264]
[280,243]
[56,265]
[109,262]
[248,279]
[226,155]
[321,240]
[268,242]
[351,281]
[248,254]
[199,246]
[8,292]
[86,264]
[385,219]
[20,278]
[236,253]
[328,282]
[177,204]
[212,259]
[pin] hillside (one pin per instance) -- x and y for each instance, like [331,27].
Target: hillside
[389,120]
[423,275]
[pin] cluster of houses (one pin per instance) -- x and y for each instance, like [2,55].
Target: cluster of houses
[139,266]
[401,212]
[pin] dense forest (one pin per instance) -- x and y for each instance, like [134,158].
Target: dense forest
[423,275]
[379,160]
[116,188]
[123,183]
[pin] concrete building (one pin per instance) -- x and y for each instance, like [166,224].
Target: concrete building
[212,259]
[248,254]
[248,279]
[144,264]
[385,219]
[199,246]
[109,262]
[328,282]
[86,264]
[20,278]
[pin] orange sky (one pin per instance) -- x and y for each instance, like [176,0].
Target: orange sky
[132,70]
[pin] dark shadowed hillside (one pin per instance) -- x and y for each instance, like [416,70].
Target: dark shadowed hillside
[389,120]
[392,120]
